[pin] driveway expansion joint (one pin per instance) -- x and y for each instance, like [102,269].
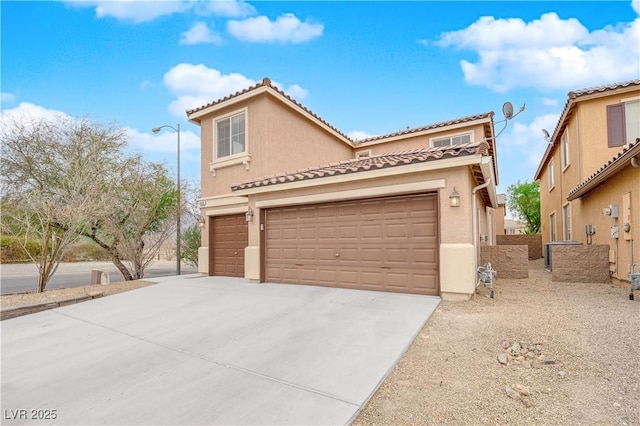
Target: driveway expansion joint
[214,361]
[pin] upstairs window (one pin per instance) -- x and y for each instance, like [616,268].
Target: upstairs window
[230,135]
[623,123]
[552,181]
[565,150]
[451,140]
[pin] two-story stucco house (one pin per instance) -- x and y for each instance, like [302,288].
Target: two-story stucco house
[589,175]
[288,198]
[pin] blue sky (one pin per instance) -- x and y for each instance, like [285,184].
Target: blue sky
[368,68]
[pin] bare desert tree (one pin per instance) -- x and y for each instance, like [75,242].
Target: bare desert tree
[49,185]
[139,218]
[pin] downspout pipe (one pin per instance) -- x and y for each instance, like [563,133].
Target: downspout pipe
[634,163]
[474,214]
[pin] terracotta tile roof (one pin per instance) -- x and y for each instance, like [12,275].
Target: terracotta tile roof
[569,104]
[266,82]
[599,89]
[427,127]
[603,173]
[394,159]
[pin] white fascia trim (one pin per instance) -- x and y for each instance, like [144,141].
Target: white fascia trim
[406,188]
[195,117]
[486,165]
[221,200]
[371,174]
[224,212]
[425,132]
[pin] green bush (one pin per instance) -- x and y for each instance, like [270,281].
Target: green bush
[84,251]
[12,251]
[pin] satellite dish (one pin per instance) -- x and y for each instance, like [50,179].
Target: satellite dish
[547,136]
[507,110]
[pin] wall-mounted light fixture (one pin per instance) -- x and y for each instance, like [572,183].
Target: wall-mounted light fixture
[202,222]
[249,215]
[454,198]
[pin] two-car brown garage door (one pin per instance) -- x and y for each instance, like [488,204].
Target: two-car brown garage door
[388,244]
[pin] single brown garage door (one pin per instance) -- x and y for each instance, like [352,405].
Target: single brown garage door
[388,244]
[228,237]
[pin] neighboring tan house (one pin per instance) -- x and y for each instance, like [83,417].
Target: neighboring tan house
[500,214]
[513,227]
[589,180]
[288,198]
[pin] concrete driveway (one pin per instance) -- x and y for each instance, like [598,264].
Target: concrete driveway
[207,350]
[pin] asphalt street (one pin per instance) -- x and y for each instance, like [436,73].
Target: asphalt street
[23,277]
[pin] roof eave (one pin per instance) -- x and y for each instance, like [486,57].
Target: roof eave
[616,166]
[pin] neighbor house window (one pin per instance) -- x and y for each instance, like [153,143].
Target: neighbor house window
[565,150]
[552,181]
[552,227]
[230,135]
[566,222]
[366,153]
[451,140]
[623,123]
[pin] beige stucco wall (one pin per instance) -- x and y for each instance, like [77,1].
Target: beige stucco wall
[586,127]
[411,141]
[589,210]
[278,141]
[499,214]
[590,125]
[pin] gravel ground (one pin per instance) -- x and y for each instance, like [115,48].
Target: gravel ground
[572,353]
[11,300]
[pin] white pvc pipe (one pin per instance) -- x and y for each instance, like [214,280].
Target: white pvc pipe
[475,219]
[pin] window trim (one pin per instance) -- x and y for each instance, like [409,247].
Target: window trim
[364,153]
[551,175]
[564,151]
[552,227]
[451,136]
[566,227]
[228,116]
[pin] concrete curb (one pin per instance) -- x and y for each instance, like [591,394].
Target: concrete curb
[17,311]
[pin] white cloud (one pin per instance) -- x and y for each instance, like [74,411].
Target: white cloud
[635,4]
[295,91]
[358,135]
[196,85]
[7,98]
[163,142]
[286,28]
[549,52]
[225,8]
[523,144]
[136,11]
[200,33]
[29,111]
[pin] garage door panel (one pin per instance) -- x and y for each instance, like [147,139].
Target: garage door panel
[228,238]
[383,244]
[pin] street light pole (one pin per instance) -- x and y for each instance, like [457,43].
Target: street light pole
[156,130]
